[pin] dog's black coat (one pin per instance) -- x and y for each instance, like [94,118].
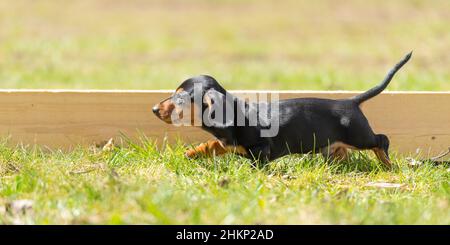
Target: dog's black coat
[306,124]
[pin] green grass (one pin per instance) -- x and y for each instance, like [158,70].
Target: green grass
[142,184]
[268,44]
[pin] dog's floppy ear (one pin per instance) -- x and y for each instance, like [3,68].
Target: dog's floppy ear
[213,97]
[207,99]
[216,107]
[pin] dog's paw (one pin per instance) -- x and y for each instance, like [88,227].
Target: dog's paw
[190,154]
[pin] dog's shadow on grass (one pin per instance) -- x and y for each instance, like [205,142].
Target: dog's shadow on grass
[357,163]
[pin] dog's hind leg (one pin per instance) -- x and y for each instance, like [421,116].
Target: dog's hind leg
[260,154]
[378,143]
[361,136]
[335,152]
[382,149]
[341,154]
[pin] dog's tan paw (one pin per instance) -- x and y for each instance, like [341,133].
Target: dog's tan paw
[191,154]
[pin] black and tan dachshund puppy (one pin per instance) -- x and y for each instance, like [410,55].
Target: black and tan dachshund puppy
[306,125]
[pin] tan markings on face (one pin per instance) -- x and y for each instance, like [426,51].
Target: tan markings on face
[179,109]
[165,110]
[195,111]
[208,101]
[196,115]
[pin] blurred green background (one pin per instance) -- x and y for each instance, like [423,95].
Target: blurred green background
[304,45]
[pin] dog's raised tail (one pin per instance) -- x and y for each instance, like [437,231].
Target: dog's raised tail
[379,88]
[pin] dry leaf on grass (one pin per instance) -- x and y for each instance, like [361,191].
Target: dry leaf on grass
[413,162]
[113,174]
[84,171]
[384,185]
[442,155]
[19,206]
[109,146]
[223,182]
[288,177]
[439,159]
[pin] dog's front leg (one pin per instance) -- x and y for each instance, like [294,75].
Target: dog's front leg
[260,154]
[207,149]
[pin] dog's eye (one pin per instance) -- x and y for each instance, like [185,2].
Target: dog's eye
[179,101]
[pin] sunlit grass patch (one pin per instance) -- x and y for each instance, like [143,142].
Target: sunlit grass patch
[143,183]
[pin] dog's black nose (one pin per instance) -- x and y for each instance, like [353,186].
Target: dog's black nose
[155,109]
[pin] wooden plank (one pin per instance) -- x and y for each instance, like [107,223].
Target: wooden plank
[414,121]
